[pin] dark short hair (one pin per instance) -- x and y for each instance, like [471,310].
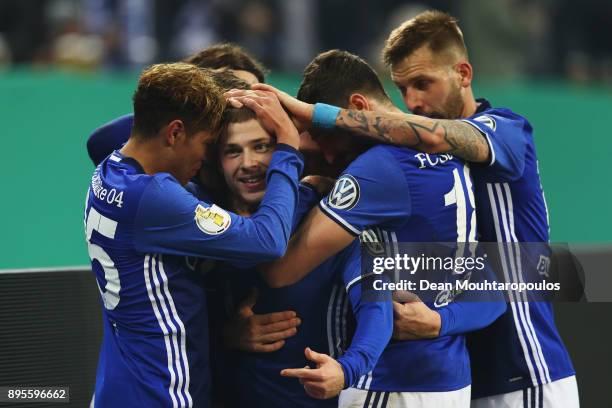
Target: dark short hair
[226,80]
[433,28]
[238,115]
[166,92]
[333,75]
[230,56]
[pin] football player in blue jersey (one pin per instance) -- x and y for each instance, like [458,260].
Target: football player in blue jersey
[527,365]
[520,360]
[322,301]
[258,328]
[143,227]
[401,194]
[225,57]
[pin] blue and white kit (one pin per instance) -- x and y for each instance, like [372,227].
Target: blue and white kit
[144,233]
[522,348]
[409,196]
[335,320]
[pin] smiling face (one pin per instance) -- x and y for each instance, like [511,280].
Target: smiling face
[430,85]
[245,153]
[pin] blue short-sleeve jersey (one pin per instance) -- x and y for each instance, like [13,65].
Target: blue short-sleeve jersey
[527,349]
[409,196]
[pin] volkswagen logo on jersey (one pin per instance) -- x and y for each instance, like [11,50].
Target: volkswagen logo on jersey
[345,194]
[488,121]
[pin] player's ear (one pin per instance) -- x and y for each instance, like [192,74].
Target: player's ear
[464,69]
[359,102]
[175,131]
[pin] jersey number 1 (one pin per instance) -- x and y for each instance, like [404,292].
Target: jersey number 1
[457,196]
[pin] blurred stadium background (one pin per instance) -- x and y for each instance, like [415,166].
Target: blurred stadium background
[67,66]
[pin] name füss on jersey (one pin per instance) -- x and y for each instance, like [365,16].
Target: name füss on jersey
[432,160]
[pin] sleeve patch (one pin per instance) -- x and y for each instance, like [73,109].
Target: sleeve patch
[486,120]
[345,194]
[371,239]
[212,220]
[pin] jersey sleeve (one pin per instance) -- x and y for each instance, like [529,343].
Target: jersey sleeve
[372,191]
[109,137]
[461,317]
[171,220]
[472,309]
[308,198]
[198,191]
[507,135]
[374,320]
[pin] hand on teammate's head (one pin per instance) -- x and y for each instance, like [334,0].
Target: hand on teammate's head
[269,111]
[301,112]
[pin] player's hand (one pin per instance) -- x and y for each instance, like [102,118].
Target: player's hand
[264,333]
[414,319]
[269,111]
[322,184]
[325,381]
[301,112]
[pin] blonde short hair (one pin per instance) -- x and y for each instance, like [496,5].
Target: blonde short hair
[181,91]
[433,28]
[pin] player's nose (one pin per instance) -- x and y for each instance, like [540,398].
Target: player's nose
[413,102]
[249,159]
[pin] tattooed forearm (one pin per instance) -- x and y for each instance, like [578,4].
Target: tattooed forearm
[422,133]
[387,128]
[358,120]
[416,126]
[465,141]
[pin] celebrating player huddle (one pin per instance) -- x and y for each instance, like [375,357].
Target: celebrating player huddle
[231,277]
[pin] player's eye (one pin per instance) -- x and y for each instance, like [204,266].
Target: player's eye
[422,84]
[232,153]
[262,147]
[402,90]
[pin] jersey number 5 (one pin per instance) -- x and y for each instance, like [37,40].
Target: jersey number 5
[106,227]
